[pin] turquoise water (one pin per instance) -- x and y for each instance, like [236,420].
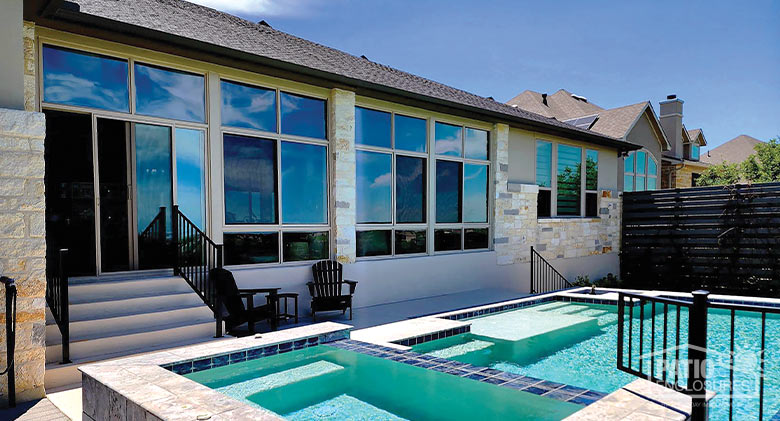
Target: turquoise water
[584,353]
[325,383]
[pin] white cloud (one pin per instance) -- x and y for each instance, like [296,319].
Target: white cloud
[259,7]
[382,180]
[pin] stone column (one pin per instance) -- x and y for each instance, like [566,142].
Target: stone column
[23,246]
[30,68]
[341,132]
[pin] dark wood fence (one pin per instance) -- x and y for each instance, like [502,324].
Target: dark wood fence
[725,239]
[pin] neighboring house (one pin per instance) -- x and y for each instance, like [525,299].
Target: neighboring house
[282,150]
[680,165]
[733,152]
[636,123]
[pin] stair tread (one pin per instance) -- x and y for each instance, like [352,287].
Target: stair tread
[135,330]
[131,313]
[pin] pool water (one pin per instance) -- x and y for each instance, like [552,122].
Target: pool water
[582,352]
[326,383]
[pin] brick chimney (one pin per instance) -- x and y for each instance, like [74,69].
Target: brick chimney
[671,121]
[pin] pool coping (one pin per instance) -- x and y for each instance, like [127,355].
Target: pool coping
[152,387]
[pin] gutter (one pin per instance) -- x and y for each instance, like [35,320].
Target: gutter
[69,12]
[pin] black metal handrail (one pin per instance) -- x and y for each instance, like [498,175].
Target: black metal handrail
[195,255]
[10,337]
[544,277]
[696,344]
[155,231]
[57,299]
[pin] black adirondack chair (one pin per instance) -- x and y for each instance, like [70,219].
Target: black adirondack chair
[328,289]
[235,312]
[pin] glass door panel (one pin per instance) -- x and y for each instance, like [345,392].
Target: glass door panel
[116,253]
[154,195]
[191,174]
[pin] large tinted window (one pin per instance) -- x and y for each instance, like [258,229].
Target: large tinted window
[475,183]
[449,139]
[299,246]
[169,93]
[374,243]
[543,163]
[476,144]
[248,107]
[304,184]
[448,191]
[302,116]
[409,189]
[83,79]
[410,133]
[251,248]
[191,174]
[447,239]
[569,179]
[250,180]
[372,128]
[591,169]
[410,242]
[374,187]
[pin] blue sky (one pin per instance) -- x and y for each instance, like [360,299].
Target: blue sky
[721,57]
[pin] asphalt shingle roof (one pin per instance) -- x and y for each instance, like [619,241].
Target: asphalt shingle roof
[206,25]
[734,151]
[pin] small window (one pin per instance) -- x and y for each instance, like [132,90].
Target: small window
[475,238]
[374,243]
[374,187]
[409,189]
[372,128]
[446,239]
[169,93]
[449,139]
[250,180]
[248,107]
[304,184]
[251,248]
[569,171]
[83,79]
[628,183]
[476,144]
[449,176]
[302,116]
[410,242]
[475,188]
[695,151]
[591,170]
[299,246]
[591,205]
[410,133]
[544,204]
[543,163]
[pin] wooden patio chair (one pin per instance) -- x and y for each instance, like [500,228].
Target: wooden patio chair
[328,289]
[235,312]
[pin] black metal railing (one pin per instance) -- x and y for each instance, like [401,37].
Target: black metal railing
[155,231]
[681,361]
[195,255]
[57,299]
[544,277]
[10,337]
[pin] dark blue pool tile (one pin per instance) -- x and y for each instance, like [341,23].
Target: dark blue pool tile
[594,394]
[493,380]
[559,394]
[398,358]
[441,368]
[509,376]
[476,376]
[182,368]
[220,360]
[426,357]
[523,382]
[285,346]
[168,367]
[425,364]
[582,400]
[299,344]
[457,371]
[535,390]
[254,353]
[201,364]
[313,340]
[574,390]
[237,357]
[490,371]
[270,350]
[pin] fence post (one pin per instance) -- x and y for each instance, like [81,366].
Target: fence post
[217,300]
[175,238]
[65,305]
[697,355]
[532,269]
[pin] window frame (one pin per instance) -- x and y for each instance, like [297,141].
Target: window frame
[553,189]
[646,175]
[394,152]
[277,137]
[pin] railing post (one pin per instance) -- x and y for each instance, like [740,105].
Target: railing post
[10,337]
[217,300]
[175,238]
[697,355]
[532,269]
[621,316]
[65,306]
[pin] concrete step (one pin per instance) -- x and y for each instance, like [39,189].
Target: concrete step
[130,306]
[98,328]
[122,289]
[62,376]
[135,340]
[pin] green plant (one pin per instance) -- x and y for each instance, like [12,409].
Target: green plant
[582,281]
[764,165]
[719,175]
[609,281]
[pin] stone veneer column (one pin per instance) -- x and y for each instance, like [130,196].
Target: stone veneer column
[341,131]
[30,69]
[23,246]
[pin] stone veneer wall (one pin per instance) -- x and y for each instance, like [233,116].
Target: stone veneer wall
[23,246]
[30,69]
[341,127]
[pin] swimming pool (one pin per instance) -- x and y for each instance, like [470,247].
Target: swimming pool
[575,344]
[330,383]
